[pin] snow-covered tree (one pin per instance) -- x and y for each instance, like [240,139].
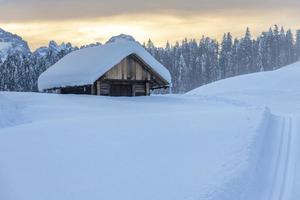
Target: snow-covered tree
[245,53]
[297,45]
[225,60]
[181,74]
[290,49]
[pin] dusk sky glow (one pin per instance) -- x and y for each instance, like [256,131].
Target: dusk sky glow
[83,22]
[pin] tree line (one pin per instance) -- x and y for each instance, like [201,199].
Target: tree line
[192,63]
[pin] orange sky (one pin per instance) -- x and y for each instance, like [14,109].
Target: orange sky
[160,27]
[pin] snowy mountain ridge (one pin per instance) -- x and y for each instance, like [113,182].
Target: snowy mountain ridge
[11,44]
[55,48]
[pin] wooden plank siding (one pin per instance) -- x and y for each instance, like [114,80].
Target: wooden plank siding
[98,86]
[105,89]
[127,69]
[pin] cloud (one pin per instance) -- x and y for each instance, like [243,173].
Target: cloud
[158,27]
[86,21]
[72,9]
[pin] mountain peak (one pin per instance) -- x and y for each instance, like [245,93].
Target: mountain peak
[54,48]
[10,44]
[52,43]
[121,37]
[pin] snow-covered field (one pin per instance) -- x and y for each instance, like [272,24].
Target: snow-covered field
[233,139]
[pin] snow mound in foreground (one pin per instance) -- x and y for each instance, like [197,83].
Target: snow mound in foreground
[285,79]
[150,148]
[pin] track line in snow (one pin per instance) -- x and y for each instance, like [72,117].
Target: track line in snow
[286,161]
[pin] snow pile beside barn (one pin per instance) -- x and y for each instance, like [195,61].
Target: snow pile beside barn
[85,66]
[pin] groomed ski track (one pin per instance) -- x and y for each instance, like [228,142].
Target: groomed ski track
[274,177]
[285,167]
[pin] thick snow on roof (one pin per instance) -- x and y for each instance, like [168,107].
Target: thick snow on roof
[85,66]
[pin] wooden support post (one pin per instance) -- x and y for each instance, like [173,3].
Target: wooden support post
[133,90]
[147,89]
[93,89]
[98,88]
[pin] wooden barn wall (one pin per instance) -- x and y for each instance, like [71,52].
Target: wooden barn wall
[128,69]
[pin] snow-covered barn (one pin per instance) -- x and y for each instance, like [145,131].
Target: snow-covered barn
[121,67]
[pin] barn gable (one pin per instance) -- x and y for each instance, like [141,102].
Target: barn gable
[130,77]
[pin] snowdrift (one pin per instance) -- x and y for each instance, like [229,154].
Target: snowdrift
[285,80]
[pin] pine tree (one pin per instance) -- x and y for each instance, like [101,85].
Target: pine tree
[198,73]
[234,57]
[276,46]
[181,74]
[244,54]
[290,51]
[225,64]
[282,57]
[260,56]
[297,46]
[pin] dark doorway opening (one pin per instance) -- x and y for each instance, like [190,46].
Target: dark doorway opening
[76,90]
[121,90]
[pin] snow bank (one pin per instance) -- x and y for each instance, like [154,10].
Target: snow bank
[85,66]
[279,90]
[285,79]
